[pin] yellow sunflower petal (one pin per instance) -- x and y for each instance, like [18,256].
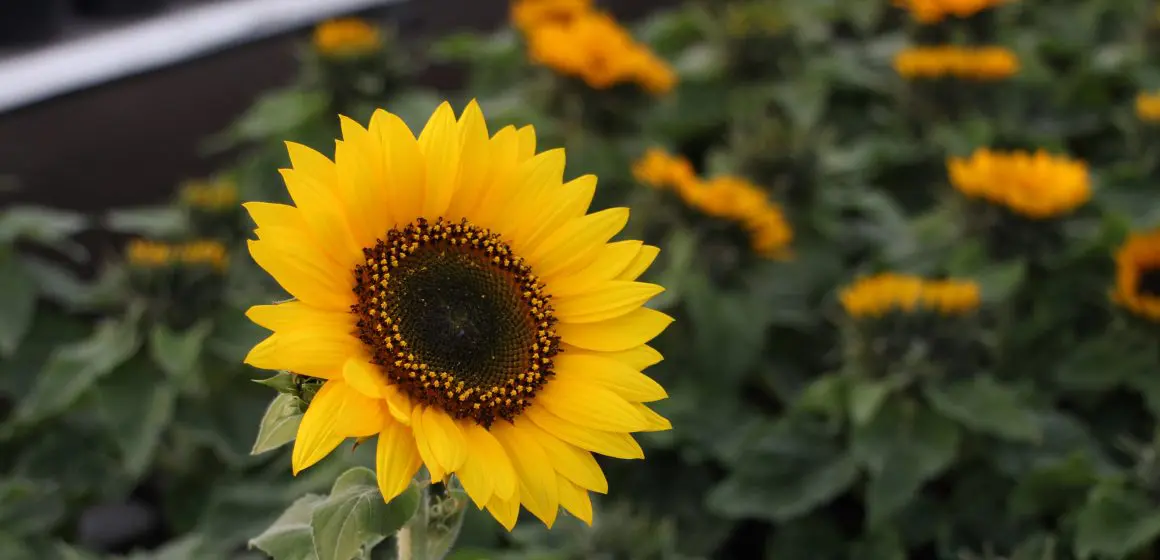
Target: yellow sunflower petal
[423,445]
[506,511]
[643,260]
[589,405]
[610,374]
[575,500]
[313,164]
[499,187]
[611,261]
[540,180]
[293,314]
[361,415]
[440,144]
[398,404]
[537,479]
[475,474]
[365,378]
[396,459]
[324,214]
[613,444]
[577,243]
[614,335]
[575,464]
[570,201]
[403,165]
[311,350]
[483,446]
[445,438]
[638,358]
[527,139]
[303,274]
[360,176]
[316,437]
[605,301]
[269,214]
[474,161]
[657,423]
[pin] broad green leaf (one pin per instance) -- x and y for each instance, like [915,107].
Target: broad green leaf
[983,405]
[158,222]
[783,493]
[187,548]
[279,425]
[825,395]
[289,538]
[442,519]
[43,225]
[998,282]
[1116,522]
[72,369]
[865,396]
[903,446]
[178,353]
[30,507]
[355,515]
[137,404]
[17,302]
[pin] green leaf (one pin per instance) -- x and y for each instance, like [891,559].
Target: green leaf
[355,515]
[825,395]
[279,425]
[865,397]
[159,222]
[1117,521]
[30,507]
[983,405]
[43,225]
[72,369]
[998,282]
[283,382]
[137,405]
[903,446]
[289,537]
[177,353]
[17,302]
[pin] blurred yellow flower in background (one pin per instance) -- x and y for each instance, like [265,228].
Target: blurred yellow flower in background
[726,197]
[1138,275]
[934,11]
[1148,106]
[881,294]
[595,48]
[346,36]
[212,195]
[1035,185]
[145,253]
[526,14]
[968,63]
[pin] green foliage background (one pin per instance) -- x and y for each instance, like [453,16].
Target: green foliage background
[1037,442]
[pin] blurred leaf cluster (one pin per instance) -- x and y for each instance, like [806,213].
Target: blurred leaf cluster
[1027,430]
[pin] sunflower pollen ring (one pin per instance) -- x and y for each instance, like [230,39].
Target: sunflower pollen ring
[456,319]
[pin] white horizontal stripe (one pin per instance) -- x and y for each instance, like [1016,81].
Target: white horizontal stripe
[156,42]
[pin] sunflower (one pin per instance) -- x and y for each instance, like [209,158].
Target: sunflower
[881,294]
[1138,275]
[971,63]
[1148,106]
[1035,185]
[934,11]
[461,304]
[346,37]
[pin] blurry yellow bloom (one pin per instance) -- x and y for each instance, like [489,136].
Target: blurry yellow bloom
[204,252]
[660,169]
[210,195]
[527,14]
[143,253]
[934,11]
[726,197]
[878,295]
[596,49]
[1148,106]
[1037,185]
[971,63]
[1138,275]
[347,36]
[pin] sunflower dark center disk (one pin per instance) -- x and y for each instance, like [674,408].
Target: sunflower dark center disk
[456,319]
[1150,282]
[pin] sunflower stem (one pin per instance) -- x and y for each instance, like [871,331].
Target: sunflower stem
[403,539]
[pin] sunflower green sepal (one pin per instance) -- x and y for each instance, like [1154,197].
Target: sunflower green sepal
[283,382]
[343,525]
